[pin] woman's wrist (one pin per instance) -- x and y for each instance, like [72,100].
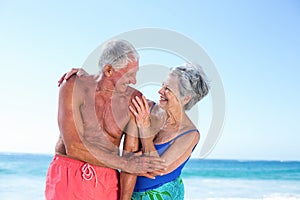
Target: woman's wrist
[145,132]
[148,147]
[147,144]
[145,123]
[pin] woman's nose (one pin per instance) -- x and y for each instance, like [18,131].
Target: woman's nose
[161,91]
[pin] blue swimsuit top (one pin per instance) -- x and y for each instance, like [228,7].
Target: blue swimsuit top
[143,183]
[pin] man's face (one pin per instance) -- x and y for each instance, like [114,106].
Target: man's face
[126,76]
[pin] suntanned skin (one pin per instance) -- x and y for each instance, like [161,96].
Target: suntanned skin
[112,116]
[93,116]
[128,180]
[175,121]
[168,120]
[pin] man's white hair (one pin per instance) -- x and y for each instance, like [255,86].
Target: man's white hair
[117,53]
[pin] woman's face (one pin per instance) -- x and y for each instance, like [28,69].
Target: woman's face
[169,93]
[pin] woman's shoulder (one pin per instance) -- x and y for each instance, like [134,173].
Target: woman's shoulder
[188,127]
[187,131]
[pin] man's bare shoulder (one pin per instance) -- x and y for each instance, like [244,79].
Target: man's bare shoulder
[79,83]
[132,92]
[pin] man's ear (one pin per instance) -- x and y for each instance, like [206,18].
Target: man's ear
[108,70]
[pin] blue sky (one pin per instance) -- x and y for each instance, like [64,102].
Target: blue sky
[255,46]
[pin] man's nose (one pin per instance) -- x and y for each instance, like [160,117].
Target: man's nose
[133,80]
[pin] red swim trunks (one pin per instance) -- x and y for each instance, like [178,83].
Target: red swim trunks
[69,179]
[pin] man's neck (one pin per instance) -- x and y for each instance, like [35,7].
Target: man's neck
[105,86]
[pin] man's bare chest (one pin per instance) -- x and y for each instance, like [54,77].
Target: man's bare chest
[109,115]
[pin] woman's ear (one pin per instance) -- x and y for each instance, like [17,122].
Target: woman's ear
[108,70]
[187,99]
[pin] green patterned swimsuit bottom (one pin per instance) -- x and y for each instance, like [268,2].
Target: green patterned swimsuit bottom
[173,190]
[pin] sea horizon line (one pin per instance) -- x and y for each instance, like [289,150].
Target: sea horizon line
[192,158]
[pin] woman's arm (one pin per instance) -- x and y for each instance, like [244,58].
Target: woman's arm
[180,149]
[178,152]
[131,144]
[141,111]
[66,76]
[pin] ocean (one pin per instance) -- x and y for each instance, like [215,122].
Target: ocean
[22,176]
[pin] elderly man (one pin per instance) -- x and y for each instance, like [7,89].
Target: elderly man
[93,115]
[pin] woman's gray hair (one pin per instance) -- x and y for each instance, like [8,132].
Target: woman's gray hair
[192,82]
[117,53]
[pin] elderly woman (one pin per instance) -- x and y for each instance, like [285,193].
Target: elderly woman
[166,131]
[182,89]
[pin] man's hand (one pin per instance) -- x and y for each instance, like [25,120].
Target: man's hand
[144,165]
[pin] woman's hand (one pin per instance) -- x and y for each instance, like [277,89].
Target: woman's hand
[78,71]
[141,112]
